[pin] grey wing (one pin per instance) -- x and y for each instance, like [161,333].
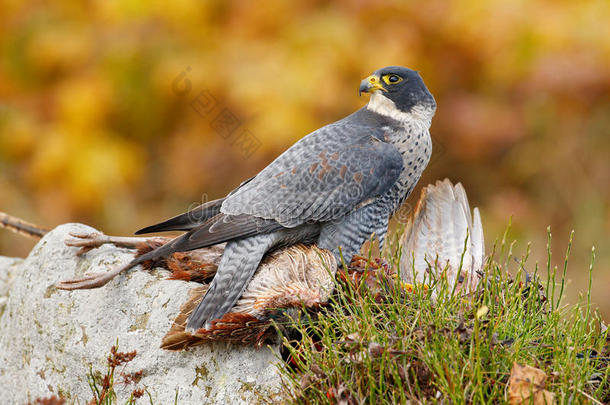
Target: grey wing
[221,228]
[321,178]
[191,219]
[186,221]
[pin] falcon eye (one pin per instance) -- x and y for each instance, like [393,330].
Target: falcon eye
[392,79]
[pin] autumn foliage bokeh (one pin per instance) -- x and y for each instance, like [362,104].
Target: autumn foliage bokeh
[97,125]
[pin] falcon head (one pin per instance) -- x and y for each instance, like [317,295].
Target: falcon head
[398,92]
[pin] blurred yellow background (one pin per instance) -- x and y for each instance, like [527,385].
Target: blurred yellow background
[119,113]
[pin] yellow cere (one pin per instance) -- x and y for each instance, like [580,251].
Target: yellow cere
[376,83]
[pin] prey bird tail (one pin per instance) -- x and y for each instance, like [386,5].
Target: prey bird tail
[239,262]
[20,226]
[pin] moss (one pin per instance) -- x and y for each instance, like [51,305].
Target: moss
[51,365]
[201,373]
[50,291]
[63,393]
[85,338]
[251,394]
[39,327]
[141,322]
[245,389]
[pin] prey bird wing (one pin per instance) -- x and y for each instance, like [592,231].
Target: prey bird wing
[321,178]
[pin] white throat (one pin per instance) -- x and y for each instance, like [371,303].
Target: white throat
[380,104]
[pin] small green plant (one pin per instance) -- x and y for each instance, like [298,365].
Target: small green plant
[434,344]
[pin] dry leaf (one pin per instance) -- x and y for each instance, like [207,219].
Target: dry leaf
[526,382]
[482,311]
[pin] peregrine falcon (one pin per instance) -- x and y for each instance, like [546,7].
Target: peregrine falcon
[335,187]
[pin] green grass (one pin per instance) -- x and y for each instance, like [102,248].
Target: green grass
[451,349]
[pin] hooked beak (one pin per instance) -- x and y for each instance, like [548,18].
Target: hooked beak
[370,85]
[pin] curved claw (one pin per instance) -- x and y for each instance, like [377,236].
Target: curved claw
[93,280]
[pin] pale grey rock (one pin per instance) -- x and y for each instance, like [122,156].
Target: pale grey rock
[49,337]
[7,271]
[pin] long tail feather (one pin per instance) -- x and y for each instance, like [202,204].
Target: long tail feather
[237,266]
